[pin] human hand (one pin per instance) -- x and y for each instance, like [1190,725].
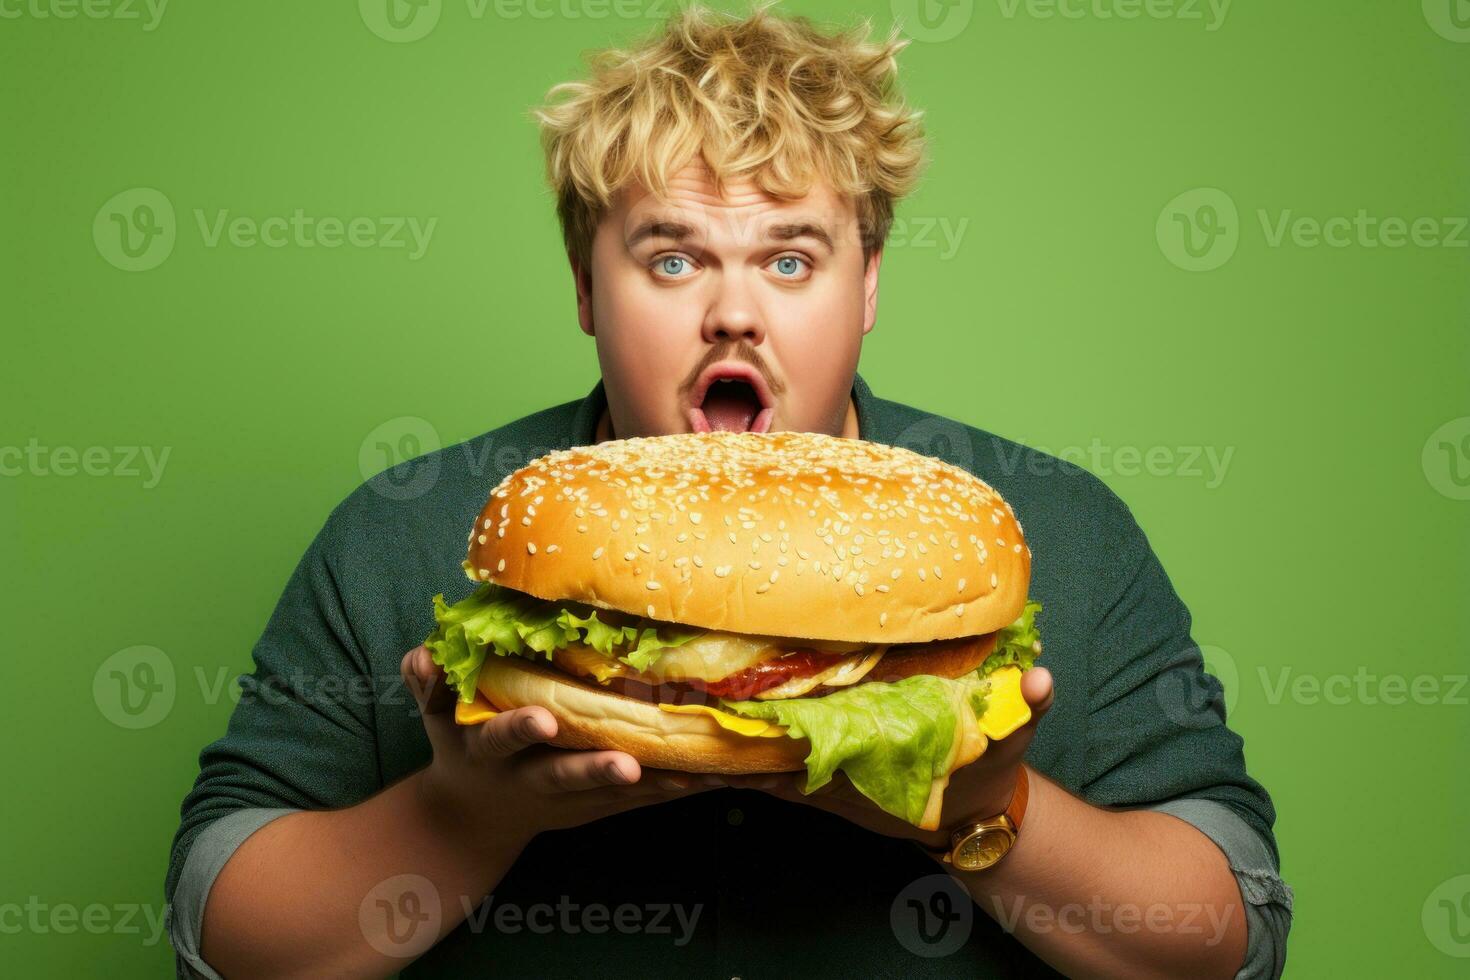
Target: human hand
[502,777]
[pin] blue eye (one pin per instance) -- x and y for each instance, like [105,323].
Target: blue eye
[789,265]
[672,265]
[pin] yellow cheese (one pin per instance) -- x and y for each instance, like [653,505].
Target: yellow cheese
[1005,708]
[753,727]
[585,660]
[474,713]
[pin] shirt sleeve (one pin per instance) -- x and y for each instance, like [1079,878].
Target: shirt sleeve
[207,855]
[1264,896]
[1157,736]
[300,737]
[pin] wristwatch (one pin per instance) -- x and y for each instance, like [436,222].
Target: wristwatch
[978,844]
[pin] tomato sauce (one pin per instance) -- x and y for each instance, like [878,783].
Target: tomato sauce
[802,662]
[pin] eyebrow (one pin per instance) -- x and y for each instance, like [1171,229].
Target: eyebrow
[800,229]
[660,228]
[680,231]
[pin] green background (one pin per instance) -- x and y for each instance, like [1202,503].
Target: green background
[1332,544]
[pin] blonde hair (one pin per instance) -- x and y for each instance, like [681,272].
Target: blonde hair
[771,98]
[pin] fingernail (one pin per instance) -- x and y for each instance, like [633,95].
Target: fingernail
[531,728]
[616,774]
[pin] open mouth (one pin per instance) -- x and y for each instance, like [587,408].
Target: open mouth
[730,399]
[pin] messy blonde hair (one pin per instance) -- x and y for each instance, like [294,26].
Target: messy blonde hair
[771,98]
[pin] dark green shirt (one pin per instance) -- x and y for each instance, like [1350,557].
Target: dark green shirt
[727,883]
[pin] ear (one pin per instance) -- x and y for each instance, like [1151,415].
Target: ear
[870,291]
[582,280]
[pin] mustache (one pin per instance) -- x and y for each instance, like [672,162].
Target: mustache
[735,351]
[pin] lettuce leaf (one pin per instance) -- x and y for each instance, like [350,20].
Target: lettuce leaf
[893,740]
[1018,643]
[512,623]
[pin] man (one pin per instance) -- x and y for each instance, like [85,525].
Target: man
[724,191]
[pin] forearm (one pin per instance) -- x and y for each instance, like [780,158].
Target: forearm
[1102,893]
[288,901]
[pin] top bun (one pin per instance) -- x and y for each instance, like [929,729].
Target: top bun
[791,534]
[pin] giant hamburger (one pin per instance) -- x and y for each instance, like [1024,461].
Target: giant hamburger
[739,602]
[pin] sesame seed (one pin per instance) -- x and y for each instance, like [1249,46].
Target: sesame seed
[484,573]
[486,525]
[650,611]
[552,547]
[629,555]
[481,539]
[722,570]
[500,565]
[531,547]
[883,619]
[526,521]
[763,588]
[651,585]
[596,553]
[643,547]
[994,580]
[582,529]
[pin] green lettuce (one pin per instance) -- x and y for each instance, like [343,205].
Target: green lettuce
[512,623]
[894,739]
[1018,644]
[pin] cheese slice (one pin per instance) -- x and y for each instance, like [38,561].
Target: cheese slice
[753,727]
[1005,707]
[577,658]
[474,713]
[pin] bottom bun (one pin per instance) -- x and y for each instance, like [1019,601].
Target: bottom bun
[590,718]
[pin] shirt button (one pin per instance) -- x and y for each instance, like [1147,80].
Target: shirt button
[735,818]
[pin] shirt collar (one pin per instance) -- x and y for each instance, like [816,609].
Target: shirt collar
[584,423]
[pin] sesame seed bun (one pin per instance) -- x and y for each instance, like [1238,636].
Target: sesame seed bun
[789,534]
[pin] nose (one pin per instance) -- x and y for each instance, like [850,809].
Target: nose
[733,315]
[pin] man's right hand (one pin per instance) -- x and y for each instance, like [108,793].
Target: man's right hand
[503,777]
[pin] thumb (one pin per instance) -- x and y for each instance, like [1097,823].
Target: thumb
[1037,689]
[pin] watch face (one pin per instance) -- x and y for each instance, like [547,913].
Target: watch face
[983,849]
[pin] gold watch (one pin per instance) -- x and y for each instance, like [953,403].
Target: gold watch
[978,844]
